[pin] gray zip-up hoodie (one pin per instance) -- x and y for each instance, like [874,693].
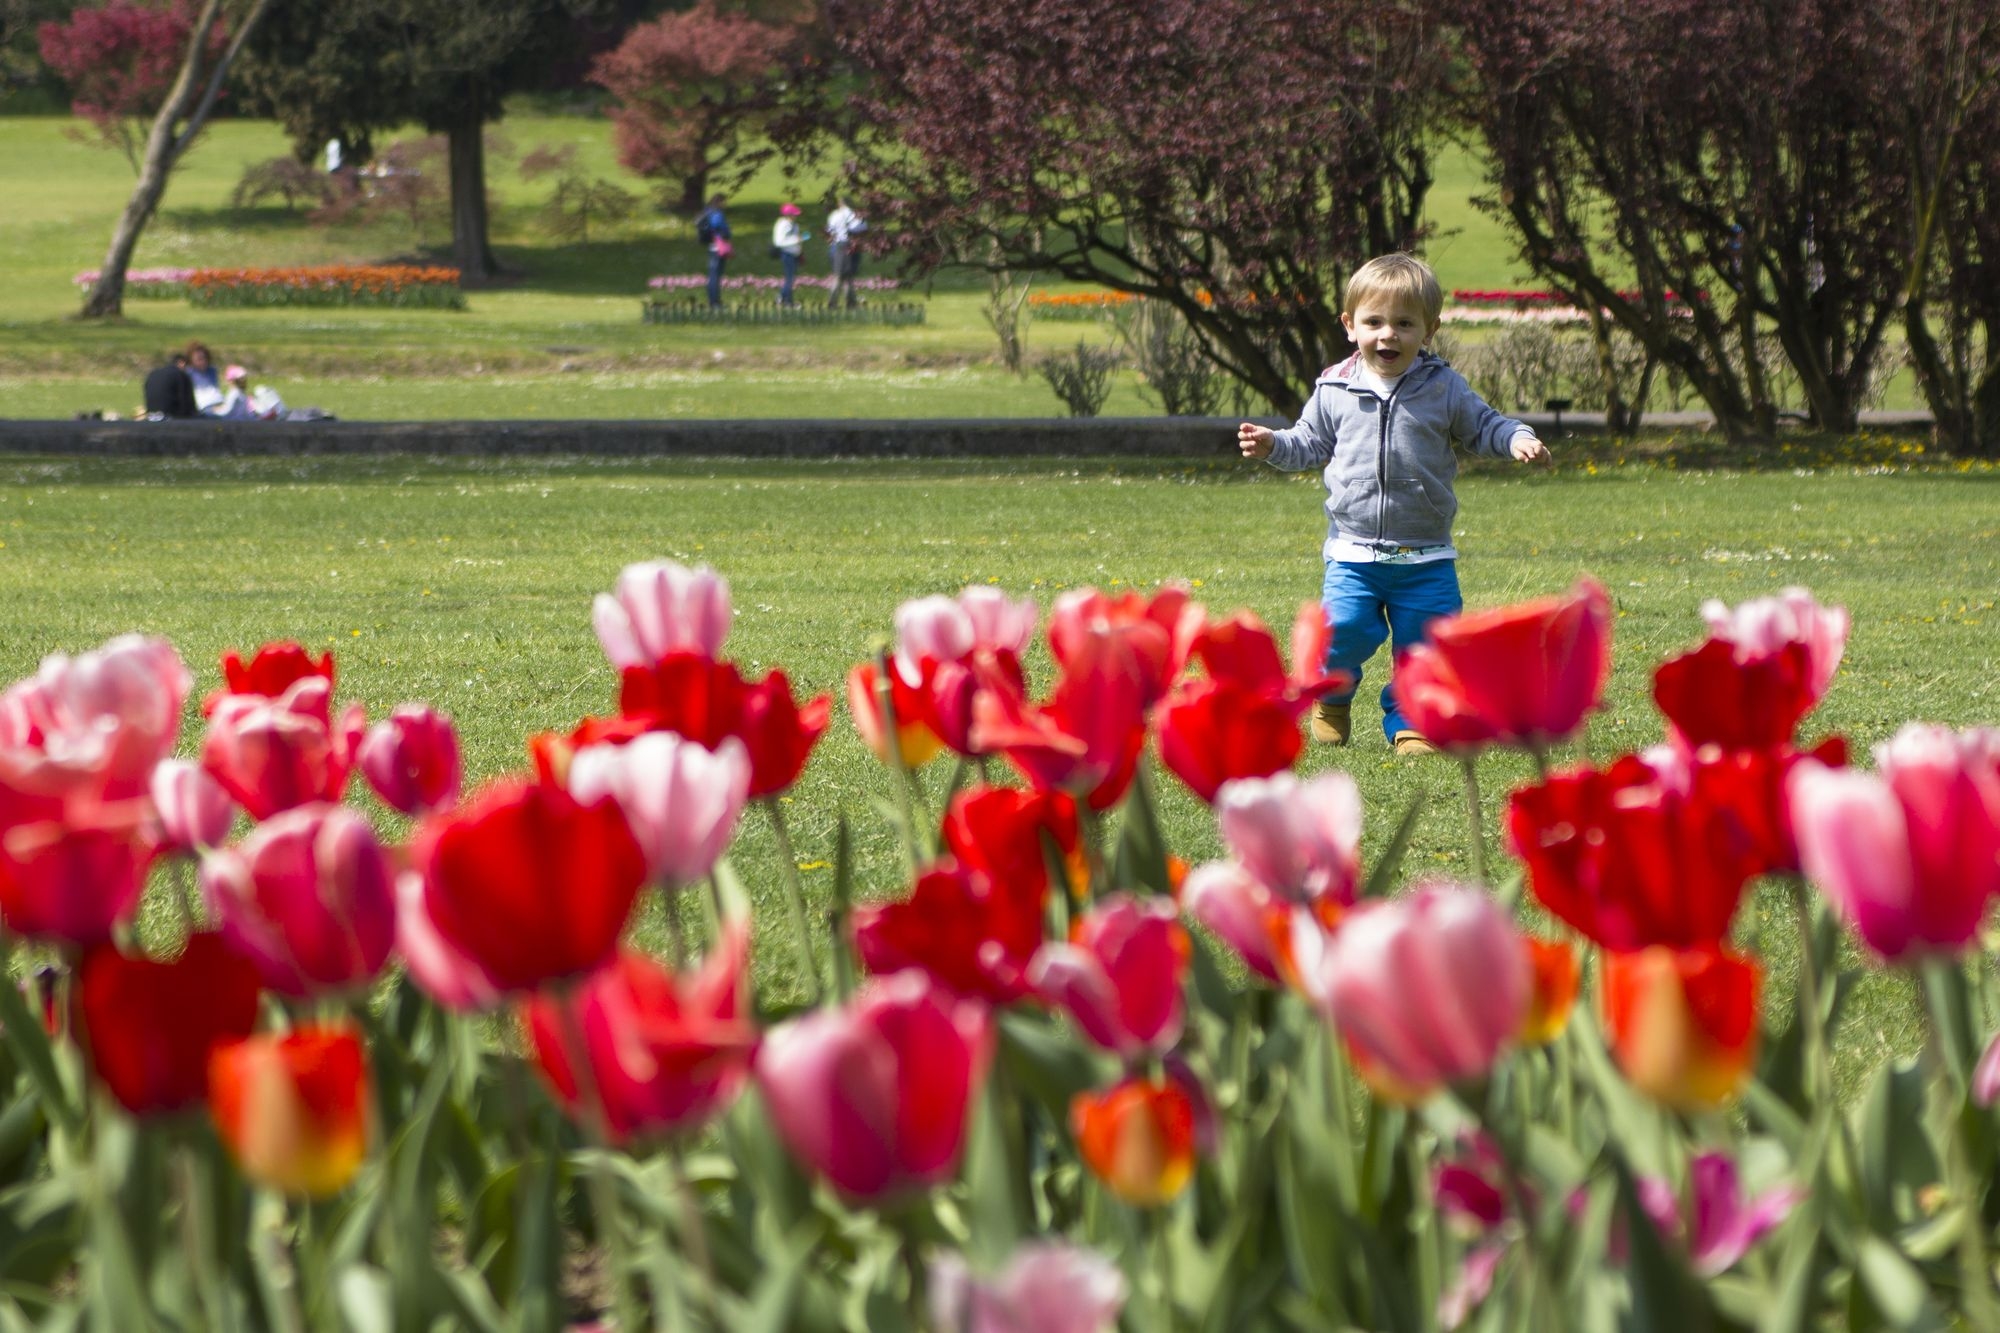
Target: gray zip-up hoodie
[1389,462]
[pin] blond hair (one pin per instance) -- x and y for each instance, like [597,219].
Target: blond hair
[1394,276]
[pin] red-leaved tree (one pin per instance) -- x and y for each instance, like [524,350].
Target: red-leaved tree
[120,61]
[692,89]
[1728,162]
[1232,158]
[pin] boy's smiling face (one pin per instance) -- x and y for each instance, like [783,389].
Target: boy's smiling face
[1389,330]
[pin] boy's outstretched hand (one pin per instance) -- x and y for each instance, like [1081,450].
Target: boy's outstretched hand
[1253,440]
[1527,449]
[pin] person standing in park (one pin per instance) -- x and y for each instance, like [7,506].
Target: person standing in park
[711,229]
[1382,424]
[787,244]
[843,225]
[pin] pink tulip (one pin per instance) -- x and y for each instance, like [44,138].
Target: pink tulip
[195,813]
[1046,1287]
[274,754]
[111,714]
[411,760]
[681,800]
[1241,912]
[1909,856]
[1472,1284]
[1721,1225]
[1427,989]
[999,623]
[873,1095]
[666,1052]
[661,607]
[1766,625]
[1300,839]
[440,970]
[307,897]
[1121,977]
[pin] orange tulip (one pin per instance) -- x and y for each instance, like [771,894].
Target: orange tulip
[293,1108]
[1138,1138]
[1683,1022]
[1554,972]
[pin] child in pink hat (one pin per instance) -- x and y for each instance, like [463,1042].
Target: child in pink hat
[787,243]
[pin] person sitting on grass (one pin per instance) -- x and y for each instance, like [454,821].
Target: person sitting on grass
[169,392]
[202,375]
[1382,424]
[243,403]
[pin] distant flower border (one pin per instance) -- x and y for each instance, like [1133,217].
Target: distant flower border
[680,282]
[893,313]
[145,284]
[402,286]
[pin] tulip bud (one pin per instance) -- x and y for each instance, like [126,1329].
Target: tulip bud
[195,812]
[411,760]
[1554,976]
[660,607]
[1682,1023]
[1121,977]
[293,1109]
[1138,1138]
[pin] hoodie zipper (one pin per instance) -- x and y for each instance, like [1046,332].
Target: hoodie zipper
[1382,459]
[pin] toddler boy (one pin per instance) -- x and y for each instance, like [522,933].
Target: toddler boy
[1382,424]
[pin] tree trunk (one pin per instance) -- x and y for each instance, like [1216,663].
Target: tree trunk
[694,194]
[467,149]
[191,99]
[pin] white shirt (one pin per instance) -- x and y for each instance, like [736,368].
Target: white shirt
[841,224]
[785,236]
[1346,552]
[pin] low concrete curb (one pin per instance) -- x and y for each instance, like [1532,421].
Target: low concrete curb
[1135,437]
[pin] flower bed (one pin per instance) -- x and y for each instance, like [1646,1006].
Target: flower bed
[892,313]
[1021,1079]
[145,284]
[1530,300]
[1078,305]
[397,285]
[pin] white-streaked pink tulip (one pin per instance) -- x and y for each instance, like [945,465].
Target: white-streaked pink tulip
[411,760]
[1046,1287]
[194,811]
[1765,625]
[659,607]
[1240,911]
[111,714]
[1302,840]
[1427,989]
[1121,975]
[308,897]
[1909,855]
[682,801]
[434,963]
[275,754]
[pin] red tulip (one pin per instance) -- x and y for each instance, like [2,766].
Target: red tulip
[917,742]
[438,968]
[1554,975]
[1766,624]
[1682,1022]
[529,885]
[1765,666]
[293,1109]
[1302,840]
[1138,1138]
[1148,639]
[149,1025]
[999,832]
[873,1096]
[779,733]
[708,701]
[1121,976]
[666,1052]
[1086,739]
[307,897]
[1909,856]
[411,760]
[1427,989]
[1438,705]
[1526,674]
[1215,731]
[273,670]
[273,754]
[194,812]
[972,933]
[661,607]
[69,875]
[1654,850]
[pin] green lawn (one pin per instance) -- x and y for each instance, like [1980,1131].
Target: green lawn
[469,585]
[505,356]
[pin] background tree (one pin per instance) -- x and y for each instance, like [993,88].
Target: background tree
[21,63]
[346,71]
[692,90]
[182,114]
[120,62]
[1727,155]
[1231,158]
[1945,111]
[578,198]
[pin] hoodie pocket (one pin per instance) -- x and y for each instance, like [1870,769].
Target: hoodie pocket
[1353,503]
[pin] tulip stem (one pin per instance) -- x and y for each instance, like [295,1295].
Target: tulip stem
[198,1236]
[677,950]
[795,902]
[913,1267]
[694,1232]
[603,1188]
[1809,1008]
[1476,814]
[1163,1265]
[1541,757]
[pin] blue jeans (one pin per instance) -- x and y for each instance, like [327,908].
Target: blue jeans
[791,264]
[1366,604]
[715,266]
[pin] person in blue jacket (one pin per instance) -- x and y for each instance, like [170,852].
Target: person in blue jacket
[712,230]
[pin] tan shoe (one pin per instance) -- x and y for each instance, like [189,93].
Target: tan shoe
[1411,742]
[1332,723]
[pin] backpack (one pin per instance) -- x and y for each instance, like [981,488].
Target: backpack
[704,229]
